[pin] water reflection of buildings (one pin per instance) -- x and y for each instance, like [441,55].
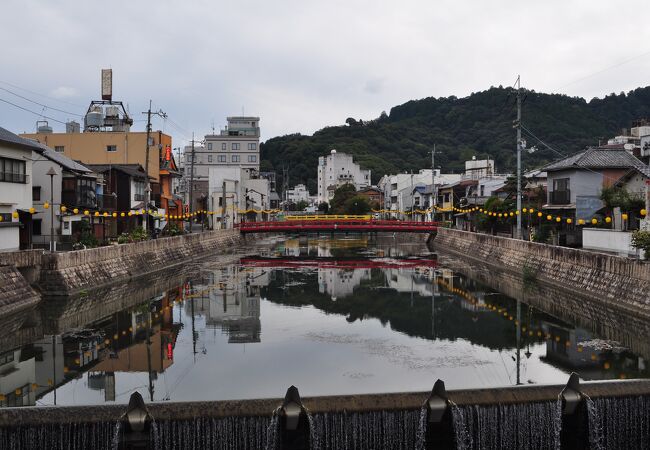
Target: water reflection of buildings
[340,283]
[140,339]
[575,349]
[229,298]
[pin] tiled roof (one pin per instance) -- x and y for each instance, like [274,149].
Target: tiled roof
[134,170]
[596,158]
[10,138]
[64,161]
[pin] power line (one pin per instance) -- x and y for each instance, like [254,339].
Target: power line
[41,104]
[33,112]
[41,95]
[604,70]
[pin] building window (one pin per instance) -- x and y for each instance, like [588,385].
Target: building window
[111,148]
[235,158]
[139,191]
[12,171]
[36,226]
[252,146]
[252,158]
[223,146]
[209,145]
[209,158]
[221,158]
[59,148]
[36,193]
[235,145]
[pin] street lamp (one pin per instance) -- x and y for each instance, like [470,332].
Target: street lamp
[51,172]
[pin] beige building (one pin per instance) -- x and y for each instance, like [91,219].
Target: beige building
[114,147]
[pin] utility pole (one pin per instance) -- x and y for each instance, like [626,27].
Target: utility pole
[223,205]
[191,182]
[147,190]
[51,174]
[518,125]
[433,182]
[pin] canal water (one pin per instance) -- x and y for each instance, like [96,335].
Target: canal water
[331,316]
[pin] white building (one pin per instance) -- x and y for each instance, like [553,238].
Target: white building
[399,189]
[478,168]
[15,190]
[298,194]
[238,145]
[234,190]
[338,169]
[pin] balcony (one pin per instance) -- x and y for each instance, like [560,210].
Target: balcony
[560,197]
[74,198]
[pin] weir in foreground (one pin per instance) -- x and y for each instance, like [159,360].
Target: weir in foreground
[596,415]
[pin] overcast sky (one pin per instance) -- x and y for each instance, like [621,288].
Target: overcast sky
[302,65]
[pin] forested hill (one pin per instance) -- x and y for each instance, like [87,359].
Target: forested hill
[480,124]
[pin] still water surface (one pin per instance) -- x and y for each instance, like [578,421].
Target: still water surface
[339,316]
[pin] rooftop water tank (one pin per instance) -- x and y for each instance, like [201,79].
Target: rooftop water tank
[95,119]
[42,126]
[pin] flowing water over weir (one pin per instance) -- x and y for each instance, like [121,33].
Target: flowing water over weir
[64,436]
[529,426]
[619,423]
[229,433]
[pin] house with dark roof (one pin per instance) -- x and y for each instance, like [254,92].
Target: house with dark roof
[123,190]
[575,184]
[15,190]
[72,185]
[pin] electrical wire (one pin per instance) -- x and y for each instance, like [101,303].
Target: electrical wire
[41,95]
[30,111]
[41,104]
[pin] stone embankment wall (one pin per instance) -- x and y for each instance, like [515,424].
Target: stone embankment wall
[16,293]
[622,283]
[66,273]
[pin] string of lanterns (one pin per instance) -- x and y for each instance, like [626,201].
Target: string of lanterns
[510,214]
[142,212]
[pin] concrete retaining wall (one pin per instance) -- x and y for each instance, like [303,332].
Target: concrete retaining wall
[66,273]
[16,293]
[619,282]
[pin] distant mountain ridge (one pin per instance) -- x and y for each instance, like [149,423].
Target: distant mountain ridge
[480,125]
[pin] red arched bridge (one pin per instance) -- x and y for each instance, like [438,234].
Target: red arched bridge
[337,226]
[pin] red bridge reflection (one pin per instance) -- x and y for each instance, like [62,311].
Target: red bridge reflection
[338,226]
[338,263]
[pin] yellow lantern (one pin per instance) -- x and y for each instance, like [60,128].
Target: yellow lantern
[624,216]
[558,219]
[525,210]
[569,220]
[1,219]
[121,214]
[86,213]
[608,219]
[46,205]
[14,214]
[32,210]
[581,221]
[594,221]
[105,214]
[114,214]
[512,214]
[549,217]
[539,214]
[96,213]
[644,212]
[531,210]
[63,208]
[76,210]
